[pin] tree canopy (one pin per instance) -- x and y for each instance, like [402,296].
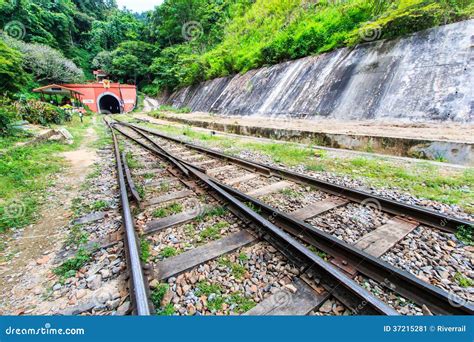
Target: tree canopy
[182,42]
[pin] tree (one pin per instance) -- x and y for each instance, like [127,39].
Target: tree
[12,75]
[103,61]
[131,59]
[47,64]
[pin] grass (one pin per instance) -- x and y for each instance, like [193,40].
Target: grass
[157,296]
[291,193]
[144,250]
[423,180]
[464,234]
[131,161]
[77,236]
[69,268]
[212,212]
[242,304]
[206,289]
[462,280]
[168,252]
[189,229]
[165,108]
[319,253]
[26,171]
[237,270]
[213,232]
[99,205]
[173,208]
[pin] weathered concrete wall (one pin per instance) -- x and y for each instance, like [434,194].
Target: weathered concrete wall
[454,152]
[424,77]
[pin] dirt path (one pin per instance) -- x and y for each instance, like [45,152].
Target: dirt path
[33,248]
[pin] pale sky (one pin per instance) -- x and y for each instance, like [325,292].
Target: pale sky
[139,5]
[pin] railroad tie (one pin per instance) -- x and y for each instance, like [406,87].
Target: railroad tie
[173,220]
[288,303]
[217,170]
[318,208]
[269,189]
[169,197]
[185,261]
[383,238]
[241,179]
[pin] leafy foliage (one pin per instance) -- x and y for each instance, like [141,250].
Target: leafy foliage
[12,76]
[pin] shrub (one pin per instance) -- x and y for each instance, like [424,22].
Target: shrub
[8,115]
[37,112]
[45,63]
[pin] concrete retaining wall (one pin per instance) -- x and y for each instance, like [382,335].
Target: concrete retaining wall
[424,77]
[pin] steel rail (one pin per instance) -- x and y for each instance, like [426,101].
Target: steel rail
[402,282]
[338,284]
[428,217]
[399,281]
[139,290]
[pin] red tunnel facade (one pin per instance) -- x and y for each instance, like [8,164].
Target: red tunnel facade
[106,99]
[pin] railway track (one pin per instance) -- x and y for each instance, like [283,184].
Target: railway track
[235,217]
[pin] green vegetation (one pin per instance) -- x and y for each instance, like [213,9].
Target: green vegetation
[462,280]
[182,42]
[237,270]
[25,173]
[170,209]
[168,252]
[132,162]
[69,268]
[291,193]
[77,236]
[318,252]
[213,232]
[157,296]
[166,108]
[464,234]
[251,34]
[145,249]
[423,180]
[211,212]
[241,303]
[206,289]
[99,205]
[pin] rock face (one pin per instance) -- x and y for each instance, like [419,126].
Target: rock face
[423,77]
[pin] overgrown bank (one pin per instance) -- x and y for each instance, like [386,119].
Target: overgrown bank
[27,170]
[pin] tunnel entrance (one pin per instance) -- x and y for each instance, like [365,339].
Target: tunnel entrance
[109,104]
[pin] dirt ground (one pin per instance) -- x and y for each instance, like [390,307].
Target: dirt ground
[35,245]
